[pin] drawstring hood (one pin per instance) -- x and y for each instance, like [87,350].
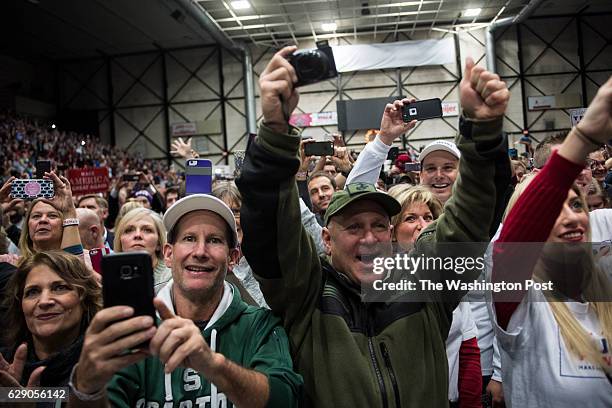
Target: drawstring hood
[213,387]
[167,296]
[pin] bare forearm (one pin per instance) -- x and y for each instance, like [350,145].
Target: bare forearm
[244,387]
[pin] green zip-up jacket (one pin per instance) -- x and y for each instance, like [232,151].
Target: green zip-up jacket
[249,336]
[354,354]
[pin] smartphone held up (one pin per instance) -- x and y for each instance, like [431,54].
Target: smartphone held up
[127,280]
[422,110]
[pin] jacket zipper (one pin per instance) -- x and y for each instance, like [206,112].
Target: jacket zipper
[385,353]
[379,377]
[381,383]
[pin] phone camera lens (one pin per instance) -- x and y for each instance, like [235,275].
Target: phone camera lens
[125,272]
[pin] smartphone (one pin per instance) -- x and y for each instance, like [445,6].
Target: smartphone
[412,167]
[95,256]
[131,177]
[127,280]
[319,149]
[198,176]
[42,166]
[29,189]
[421,110]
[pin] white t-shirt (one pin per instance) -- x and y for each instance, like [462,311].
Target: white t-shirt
[463,328]
[539,371]
[601,225]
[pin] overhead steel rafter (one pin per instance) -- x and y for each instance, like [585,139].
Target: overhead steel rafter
[525,77]
[83,85]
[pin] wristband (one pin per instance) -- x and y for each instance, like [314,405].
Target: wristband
[586,138]
[81,395]
[301,174]
[70,221]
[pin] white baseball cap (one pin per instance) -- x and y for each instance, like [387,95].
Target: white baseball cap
[443,145]
[195,202]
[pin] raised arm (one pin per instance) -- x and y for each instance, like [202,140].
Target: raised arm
[542,201]
[373,156]
[469,212]
[275,243]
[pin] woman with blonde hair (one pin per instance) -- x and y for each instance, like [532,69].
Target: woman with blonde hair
[555,339]
[142,229]
[419,209]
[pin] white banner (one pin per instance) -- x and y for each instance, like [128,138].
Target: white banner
[450,109]
[183,129]
[541,102]
[394,55]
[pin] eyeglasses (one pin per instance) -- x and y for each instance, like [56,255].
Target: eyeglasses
[593,164]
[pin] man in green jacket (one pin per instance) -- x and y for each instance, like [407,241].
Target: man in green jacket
[353,353]
[209,350]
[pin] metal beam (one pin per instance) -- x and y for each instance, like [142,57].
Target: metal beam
[207,23]
[249,91]
[489,32]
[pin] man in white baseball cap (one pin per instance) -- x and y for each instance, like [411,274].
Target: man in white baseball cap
[206,336]
[439,168]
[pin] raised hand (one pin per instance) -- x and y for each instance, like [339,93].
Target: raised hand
[483,95]
[179,342]
[182,148]
[5,190]
[597,121]
[341,159]
[63,194]
[392,124]
[10,374]
[278,96]
[106,339]
[305,160]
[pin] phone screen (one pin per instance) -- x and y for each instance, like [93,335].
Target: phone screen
[421,110]
[412,167]
[319,149]
[198,176]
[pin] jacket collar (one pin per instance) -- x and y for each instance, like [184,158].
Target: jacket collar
[230,307]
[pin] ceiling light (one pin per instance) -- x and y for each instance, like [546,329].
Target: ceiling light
[240,4]
[329,26]
[472,12]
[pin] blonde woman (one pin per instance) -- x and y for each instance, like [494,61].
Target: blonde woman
[141,229]
[555,344]
[419,209]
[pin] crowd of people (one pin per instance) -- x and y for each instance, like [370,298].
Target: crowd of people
[259,284]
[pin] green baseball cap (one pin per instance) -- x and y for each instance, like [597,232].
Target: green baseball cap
[360,191]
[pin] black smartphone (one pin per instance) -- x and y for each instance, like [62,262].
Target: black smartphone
[412,167]
[42,166]
[131,177]
[319,149]
[421,110]
[127,279]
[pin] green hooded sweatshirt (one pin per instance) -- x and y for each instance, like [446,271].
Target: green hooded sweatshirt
[247,335]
